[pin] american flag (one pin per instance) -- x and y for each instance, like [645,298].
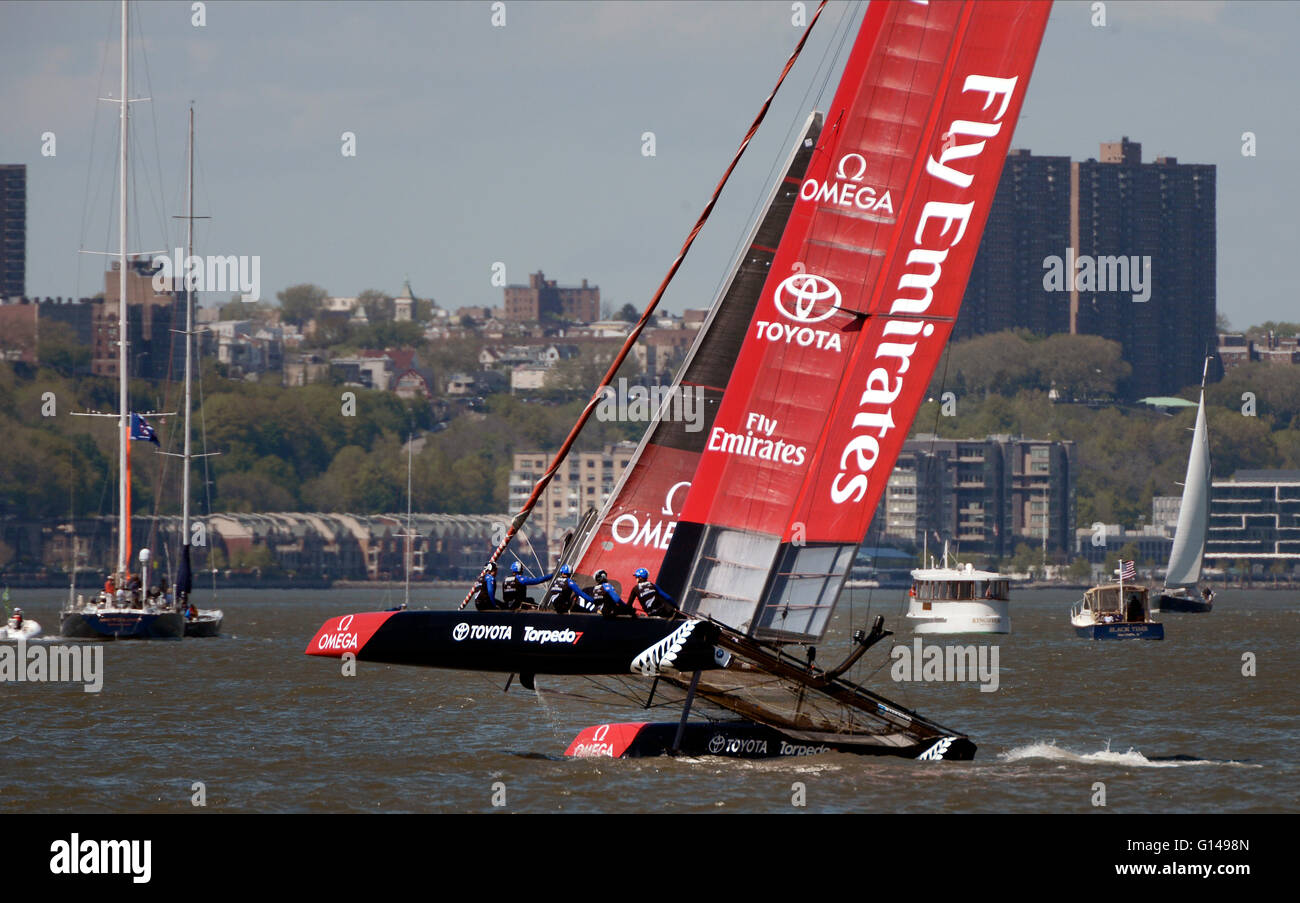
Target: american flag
[1128,570]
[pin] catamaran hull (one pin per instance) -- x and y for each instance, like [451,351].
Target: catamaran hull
[748,740]
[208,623]
[1149,631]
[1169,602]
[123,625]
[521,642]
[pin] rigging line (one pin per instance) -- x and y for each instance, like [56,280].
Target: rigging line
[836,65]
[780,153]
[207,479]
[161,201]
[614,366]
[90,161]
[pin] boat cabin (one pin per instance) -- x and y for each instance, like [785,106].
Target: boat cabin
[1115,603]
[951,585]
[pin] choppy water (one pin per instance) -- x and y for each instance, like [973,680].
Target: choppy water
[266,728]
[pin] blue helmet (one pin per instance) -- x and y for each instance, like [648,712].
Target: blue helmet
[516,567]
[565,570]
[641,574]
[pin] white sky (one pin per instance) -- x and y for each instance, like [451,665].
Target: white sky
[522,144]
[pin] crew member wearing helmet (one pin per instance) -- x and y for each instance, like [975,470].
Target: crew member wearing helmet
[564,593]
[16,622]
[485,589]
[607,598]
[514,589]
[654,601]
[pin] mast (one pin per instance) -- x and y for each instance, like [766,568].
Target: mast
[621,356]
[410,460]
[123,420]
[189,345]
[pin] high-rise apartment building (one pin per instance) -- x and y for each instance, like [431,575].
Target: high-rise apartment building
[1158,221]
[1028,222]
[984,496]
[1112,247]
[13,230]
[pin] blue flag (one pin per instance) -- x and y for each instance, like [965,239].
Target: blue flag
[140,429]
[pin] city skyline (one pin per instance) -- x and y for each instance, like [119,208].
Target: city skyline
[459,167]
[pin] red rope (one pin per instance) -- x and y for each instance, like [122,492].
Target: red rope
[522,516]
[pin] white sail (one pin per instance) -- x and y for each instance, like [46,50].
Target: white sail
[1194,512]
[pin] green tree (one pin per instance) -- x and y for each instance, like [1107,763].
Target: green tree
[58,348]
[629,313]
[299,303]
[1079,570]
[378,306]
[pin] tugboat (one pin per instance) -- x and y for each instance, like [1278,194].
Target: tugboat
[958,599]
[1117,611]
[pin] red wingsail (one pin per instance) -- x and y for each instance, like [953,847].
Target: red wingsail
[860,299]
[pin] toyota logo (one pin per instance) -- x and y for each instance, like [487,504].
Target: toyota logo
[460,631]
[798,296]
[716,743]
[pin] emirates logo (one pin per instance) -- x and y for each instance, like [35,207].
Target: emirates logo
[807,298]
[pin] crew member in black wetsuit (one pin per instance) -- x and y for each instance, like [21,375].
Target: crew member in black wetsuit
[606,596]
[654,601]
[485,589]
[514,589]
[564,594]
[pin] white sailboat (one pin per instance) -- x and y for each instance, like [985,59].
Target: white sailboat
[1181,592]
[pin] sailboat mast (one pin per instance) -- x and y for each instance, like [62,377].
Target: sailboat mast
[410,460]
[123,425]
[189,339]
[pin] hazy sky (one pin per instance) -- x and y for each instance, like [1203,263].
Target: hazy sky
[523,144]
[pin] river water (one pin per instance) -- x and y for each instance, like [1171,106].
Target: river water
[263,727]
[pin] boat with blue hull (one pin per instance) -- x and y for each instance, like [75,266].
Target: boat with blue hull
[123,624]
[128,607]
[1116,611]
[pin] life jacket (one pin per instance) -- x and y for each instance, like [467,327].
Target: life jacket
[651,602]
[482,598]
[513,591]
[604,602]
[561,595]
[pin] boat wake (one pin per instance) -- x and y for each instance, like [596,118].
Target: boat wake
[1132,758]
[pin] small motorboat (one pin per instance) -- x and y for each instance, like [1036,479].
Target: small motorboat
[19,628]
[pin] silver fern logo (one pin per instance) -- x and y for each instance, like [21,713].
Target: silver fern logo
[663,654]
[937,751]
